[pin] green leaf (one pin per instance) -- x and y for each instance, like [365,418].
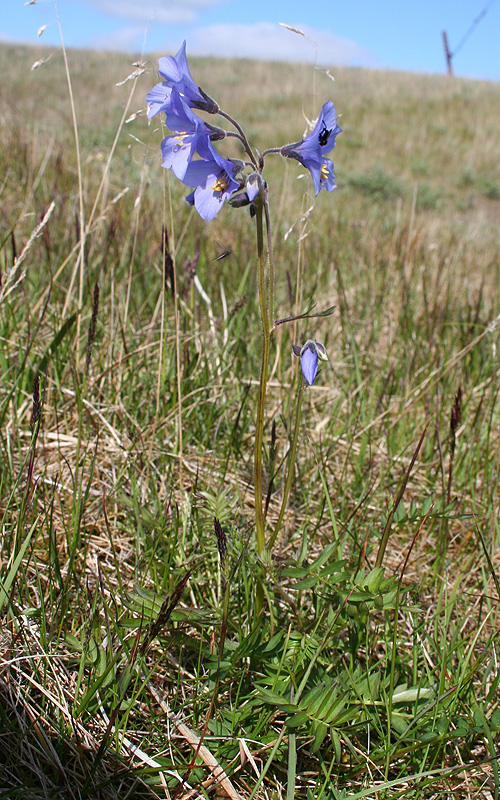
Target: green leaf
[94,687]
[315,700]
[92,651]
[324,555]
[374,579]
[73,643]
[7,583]
[369,686]
[297,720]
[399,723]
[295,572]
[399,513]
[402,695]
[413,512]
[271,698]
[337,746]
[307,583]
[319,735]
[335,573]
[427,505]
[335,710]
[495,720]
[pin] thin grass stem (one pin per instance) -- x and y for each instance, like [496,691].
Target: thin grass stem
[81,258]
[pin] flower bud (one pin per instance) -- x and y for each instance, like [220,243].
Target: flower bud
[310,355]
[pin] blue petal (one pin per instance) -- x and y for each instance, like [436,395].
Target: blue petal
[179,115]
[175,70]
[326,124]
[253,187]
[328,182]
[199,172]
[309,364]
[207,202]
[177,153]
[172,67]
[157,98]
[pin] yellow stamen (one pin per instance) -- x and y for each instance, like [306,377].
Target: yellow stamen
[220,185]
[324,172]
[179,141]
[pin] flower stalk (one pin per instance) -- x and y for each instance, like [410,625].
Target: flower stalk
[264,371]
[291,464]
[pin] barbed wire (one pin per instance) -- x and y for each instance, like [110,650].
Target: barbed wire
[470,30]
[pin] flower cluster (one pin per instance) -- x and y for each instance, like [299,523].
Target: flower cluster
[212,177]
[190,153]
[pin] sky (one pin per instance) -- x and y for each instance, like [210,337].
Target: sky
[379,34]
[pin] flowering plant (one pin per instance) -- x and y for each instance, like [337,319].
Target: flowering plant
[190,152]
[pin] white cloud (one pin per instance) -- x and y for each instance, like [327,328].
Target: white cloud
[171,11]
[127,40]
[267,41]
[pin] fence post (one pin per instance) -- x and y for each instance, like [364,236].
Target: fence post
[447,53]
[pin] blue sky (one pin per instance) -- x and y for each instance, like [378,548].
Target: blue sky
[383,34]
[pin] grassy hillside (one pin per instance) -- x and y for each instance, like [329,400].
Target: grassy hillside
[145,640]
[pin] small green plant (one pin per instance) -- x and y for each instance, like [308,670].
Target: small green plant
[379,183]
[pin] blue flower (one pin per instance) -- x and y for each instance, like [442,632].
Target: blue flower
[312,150]
[310,356]
[176,72]
[213,179]
[190,133]
[253,186]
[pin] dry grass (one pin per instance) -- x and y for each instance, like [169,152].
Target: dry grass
[113,514]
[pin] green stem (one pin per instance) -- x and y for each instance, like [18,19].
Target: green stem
[263,298]
[270,260]
[259,440]
[264,371]
[291,463]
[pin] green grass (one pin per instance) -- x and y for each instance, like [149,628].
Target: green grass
[125,639]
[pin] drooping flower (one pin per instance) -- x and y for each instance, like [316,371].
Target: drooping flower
[312,150]
[253,186]
[310,356]
[213,179]
[190,132]
[176,72]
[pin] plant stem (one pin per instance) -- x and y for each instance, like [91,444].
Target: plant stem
[264,370]
[291,462]
[270,261]
[241,135]
[263,293]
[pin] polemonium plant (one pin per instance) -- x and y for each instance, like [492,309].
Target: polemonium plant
[191,152]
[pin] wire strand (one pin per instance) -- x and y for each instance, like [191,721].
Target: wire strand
[470,30]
